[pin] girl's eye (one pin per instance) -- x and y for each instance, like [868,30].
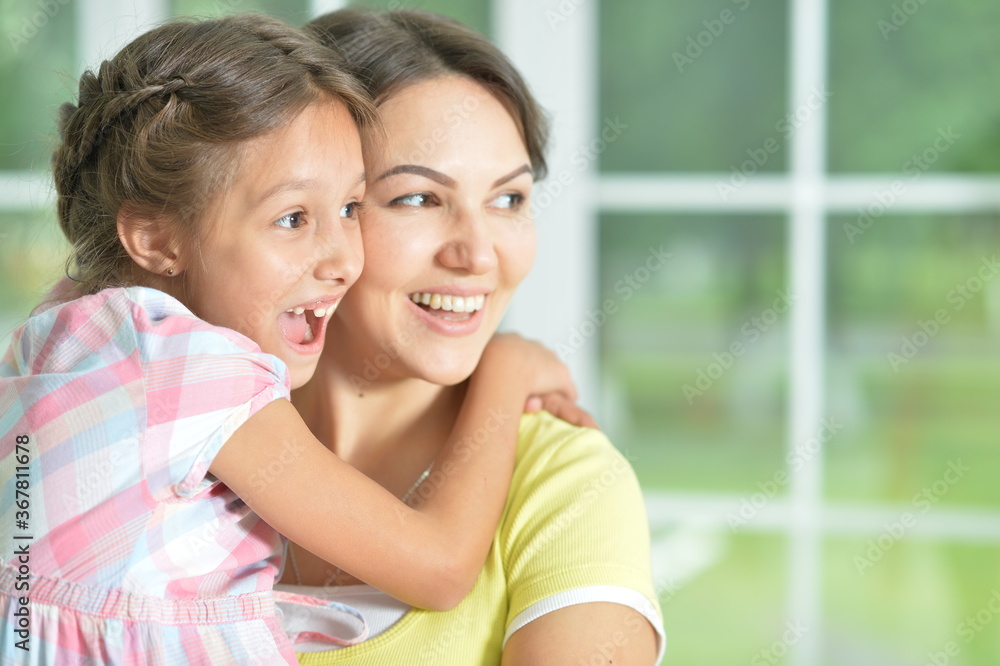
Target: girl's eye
[418,200]
[350,210]
[510,200]
[290,221]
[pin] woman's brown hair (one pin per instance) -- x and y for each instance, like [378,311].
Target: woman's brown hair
[158,129]
[389,50]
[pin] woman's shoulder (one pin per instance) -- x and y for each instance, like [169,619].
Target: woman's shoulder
[556,459]
[545,439]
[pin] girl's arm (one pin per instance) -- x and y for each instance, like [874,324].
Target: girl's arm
[428,556]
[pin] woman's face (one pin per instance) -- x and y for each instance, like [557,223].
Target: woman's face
[447,235]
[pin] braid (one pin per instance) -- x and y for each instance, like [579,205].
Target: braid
[157,127]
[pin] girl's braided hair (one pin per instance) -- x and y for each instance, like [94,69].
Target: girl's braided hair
[158,130]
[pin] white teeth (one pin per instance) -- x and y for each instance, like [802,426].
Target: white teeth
[319,312]
[449,303]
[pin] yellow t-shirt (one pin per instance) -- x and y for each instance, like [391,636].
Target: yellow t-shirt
[574,530]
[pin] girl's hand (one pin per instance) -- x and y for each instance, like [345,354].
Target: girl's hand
[562,408]
[560,401]
[538,369]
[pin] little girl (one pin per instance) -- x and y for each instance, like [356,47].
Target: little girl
[209,181]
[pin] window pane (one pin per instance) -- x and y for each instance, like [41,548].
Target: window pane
[698,83]
[694,347]
[914,315]
[32,258]
[732,612]
[38,72]
[901,72]
[473,13]
[921,603]
[295,12]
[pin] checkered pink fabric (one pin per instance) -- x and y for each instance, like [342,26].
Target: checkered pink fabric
[136,555]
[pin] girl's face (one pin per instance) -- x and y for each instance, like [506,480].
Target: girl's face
[447,231]
[279,248]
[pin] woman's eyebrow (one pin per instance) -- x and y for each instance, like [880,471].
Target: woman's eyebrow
[526,168]
[426,172]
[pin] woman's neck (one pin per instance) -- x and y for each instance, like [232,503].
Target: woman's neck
[390,430]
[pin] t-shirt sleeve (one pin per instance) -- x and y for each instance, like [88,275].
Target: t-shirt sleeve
[575,530]
[202,382]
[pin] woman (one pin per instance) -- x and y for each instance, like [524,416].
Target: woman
[448,236]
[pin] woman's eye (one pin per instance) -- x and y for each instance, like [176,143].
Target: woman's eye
[290,221]
[511,201]
[418,200]
[350,210]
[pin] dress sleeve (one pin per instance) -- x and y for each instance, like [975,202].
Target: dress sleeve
[576,529]
[202,382]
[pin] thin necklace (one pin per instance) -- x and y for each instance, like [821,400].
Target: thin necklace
[337,571]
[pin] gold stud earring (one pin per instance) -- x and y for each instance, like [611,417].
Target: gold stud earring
[170,271]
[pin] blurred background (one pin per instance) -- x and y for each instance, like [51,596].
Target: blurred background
[768,249]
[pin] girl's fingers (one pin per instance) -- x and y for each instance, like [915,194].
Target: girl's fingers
[561,407]
[533,404]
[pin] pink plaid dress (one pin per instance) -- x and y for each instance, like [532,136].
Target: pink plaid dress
[135,555]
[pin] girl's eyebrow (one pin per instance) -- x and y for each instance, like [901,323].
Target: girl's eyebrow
[287,186]
[299,186]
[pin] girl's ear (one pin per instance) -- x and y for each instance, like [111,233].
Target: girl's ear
[153,242]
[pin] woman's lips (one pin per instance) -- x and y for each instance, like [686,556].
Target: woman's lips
[448,321]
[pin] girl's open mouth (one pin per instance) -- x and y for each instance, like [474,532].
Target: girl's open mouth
[304,327]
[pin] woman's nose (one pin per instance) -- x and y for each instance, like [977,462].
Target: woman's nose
[470,245]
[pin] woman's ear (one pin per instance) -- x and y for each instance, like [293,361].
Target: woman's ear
[153,242]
